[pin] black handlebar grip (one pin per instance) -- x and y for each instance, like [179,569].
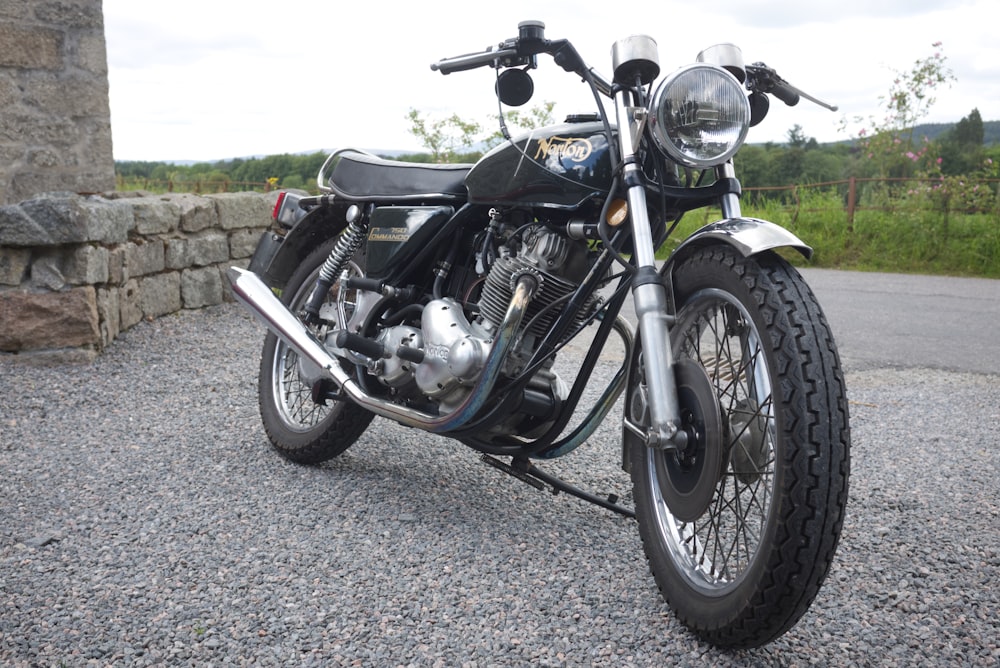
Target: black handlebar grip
[471,61]
[786,94]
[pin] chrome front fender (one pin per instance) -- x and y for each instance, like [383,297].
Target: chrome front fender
[749,236]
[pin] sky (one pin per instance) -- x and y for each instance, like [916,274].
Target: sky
[211,80]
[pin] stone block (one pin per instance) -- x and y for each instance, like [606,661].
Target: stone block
[117,270]
[13,265]
[18,229]
[87,265]
[91,55]
[30,47]
[238,210]
[68,218]
[197,251]
[47,270]
[129,304]
[154,216]
[108,314]
[37,321]
[201,287]
[144,258]
[77,15]
[59,357]
[196,213]
[160,294]
[53,92]
[242,243]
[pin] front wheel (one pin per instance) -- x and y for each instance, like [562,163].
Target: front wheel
[740,527]
[300,428]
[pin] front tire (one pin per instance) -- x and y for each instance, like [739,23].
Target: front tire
[300,429]
[744,569]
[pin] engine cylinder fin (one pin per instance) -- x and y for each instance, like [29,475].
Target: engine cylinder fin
[497,293]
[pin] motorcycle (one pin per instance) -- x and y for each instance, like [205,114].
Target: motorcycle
[441,296]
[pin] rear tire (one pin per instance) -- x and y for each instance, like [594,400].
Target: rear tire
[300,429]
[748,566]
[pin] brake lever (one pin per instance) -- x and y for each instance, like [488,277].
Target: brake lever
[763,79]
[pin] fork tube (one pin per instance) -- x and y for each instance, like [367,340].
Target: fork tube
[649,295]
[730,202]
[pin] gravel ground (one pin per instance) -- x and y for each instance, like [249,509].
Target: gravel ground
[145,521]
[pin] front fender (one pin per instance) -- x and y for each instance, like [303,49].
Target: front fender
[749,236]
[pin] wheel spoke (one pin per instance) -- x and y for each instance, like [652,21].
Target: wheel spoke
[721,545]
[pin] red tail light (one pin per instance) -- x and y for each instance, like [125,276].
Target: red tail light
[277,205]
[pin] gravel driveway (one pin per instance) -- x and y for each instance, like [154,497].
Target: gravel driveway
[145,521]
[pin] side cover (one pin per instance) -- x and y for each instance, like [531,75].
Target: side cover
[397,233]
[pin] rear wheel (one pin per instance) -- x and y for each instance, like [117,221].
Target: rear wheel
[740,528]
[299,428]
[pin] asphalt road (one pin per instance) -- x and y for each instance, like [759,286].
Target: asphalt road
[906,321]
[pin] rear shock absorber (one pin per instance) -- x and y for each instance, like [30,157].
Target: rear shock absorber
[347,245]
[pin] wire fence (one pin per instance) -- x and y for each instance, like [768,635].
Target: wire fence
[851,195]
[197,186]
[891,195]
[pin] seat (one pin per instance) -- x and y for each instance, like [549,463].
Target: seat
[361,176]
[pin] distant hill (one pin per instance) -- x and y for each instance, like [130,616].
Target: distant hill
[991,131]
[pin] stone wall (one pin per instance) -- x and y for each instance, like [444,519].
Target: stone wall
[76,270]
[55,122]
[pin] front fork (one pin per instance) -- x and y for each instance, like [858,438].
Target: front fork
[650,294]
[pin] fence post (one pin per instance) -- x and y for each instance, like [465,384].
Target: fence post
[852,198]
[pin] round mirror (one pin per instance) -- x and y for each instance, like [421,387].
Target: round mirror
[514,87]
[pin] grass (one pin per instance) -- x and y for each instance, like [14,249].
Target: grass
[904,240]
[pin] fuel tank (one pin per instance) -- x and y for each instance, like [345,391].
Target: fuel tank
[558,166]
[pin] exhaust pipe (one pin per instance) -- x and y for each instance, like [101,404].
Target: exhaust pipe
[250,291]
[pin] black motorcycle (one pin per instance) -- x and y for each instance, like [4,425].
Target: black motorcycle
[440,297]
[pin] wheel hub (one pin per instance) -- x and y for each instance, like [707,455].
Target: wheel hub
[750,450]
[688,477]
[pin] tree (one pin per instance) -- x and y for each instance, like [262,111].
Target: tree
[453,138]
[536,117]
[969,130]
[961,148]
[444,136]
[796,137]
[888,142]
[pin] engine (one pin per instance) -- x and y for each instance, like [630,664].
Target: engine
[455,348]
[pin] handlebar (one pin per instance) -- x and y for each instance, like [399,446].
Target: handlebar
[471,61]
[522,51]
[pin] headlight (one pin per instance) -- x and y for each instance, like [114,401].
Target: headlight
[700,115]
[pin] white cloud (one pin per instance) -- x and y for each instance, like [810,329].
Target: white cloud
[215,80]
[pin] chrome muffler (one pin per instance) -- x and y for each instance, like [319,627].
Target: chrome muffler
[250,291]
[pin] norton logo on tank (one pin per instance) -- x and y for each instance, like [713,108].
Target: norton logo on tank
[574,149]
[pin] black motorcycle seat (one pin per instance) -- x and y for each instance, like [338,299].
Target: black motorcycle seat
[361,176]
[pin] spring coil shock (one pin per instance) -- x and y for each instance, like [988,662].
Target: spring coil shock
[347,245]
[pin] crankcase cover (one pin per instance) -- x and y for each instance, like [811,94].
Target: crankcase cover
[454,352]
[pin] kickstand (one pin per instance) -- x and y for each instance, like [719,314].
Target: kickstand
[523,469]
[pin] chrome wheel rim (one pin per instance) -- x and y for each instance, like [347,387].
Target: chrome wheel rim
[293,395]
[715,551]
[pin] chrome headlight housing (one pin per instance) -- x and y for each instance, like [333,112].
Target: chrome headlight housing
[700,115]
